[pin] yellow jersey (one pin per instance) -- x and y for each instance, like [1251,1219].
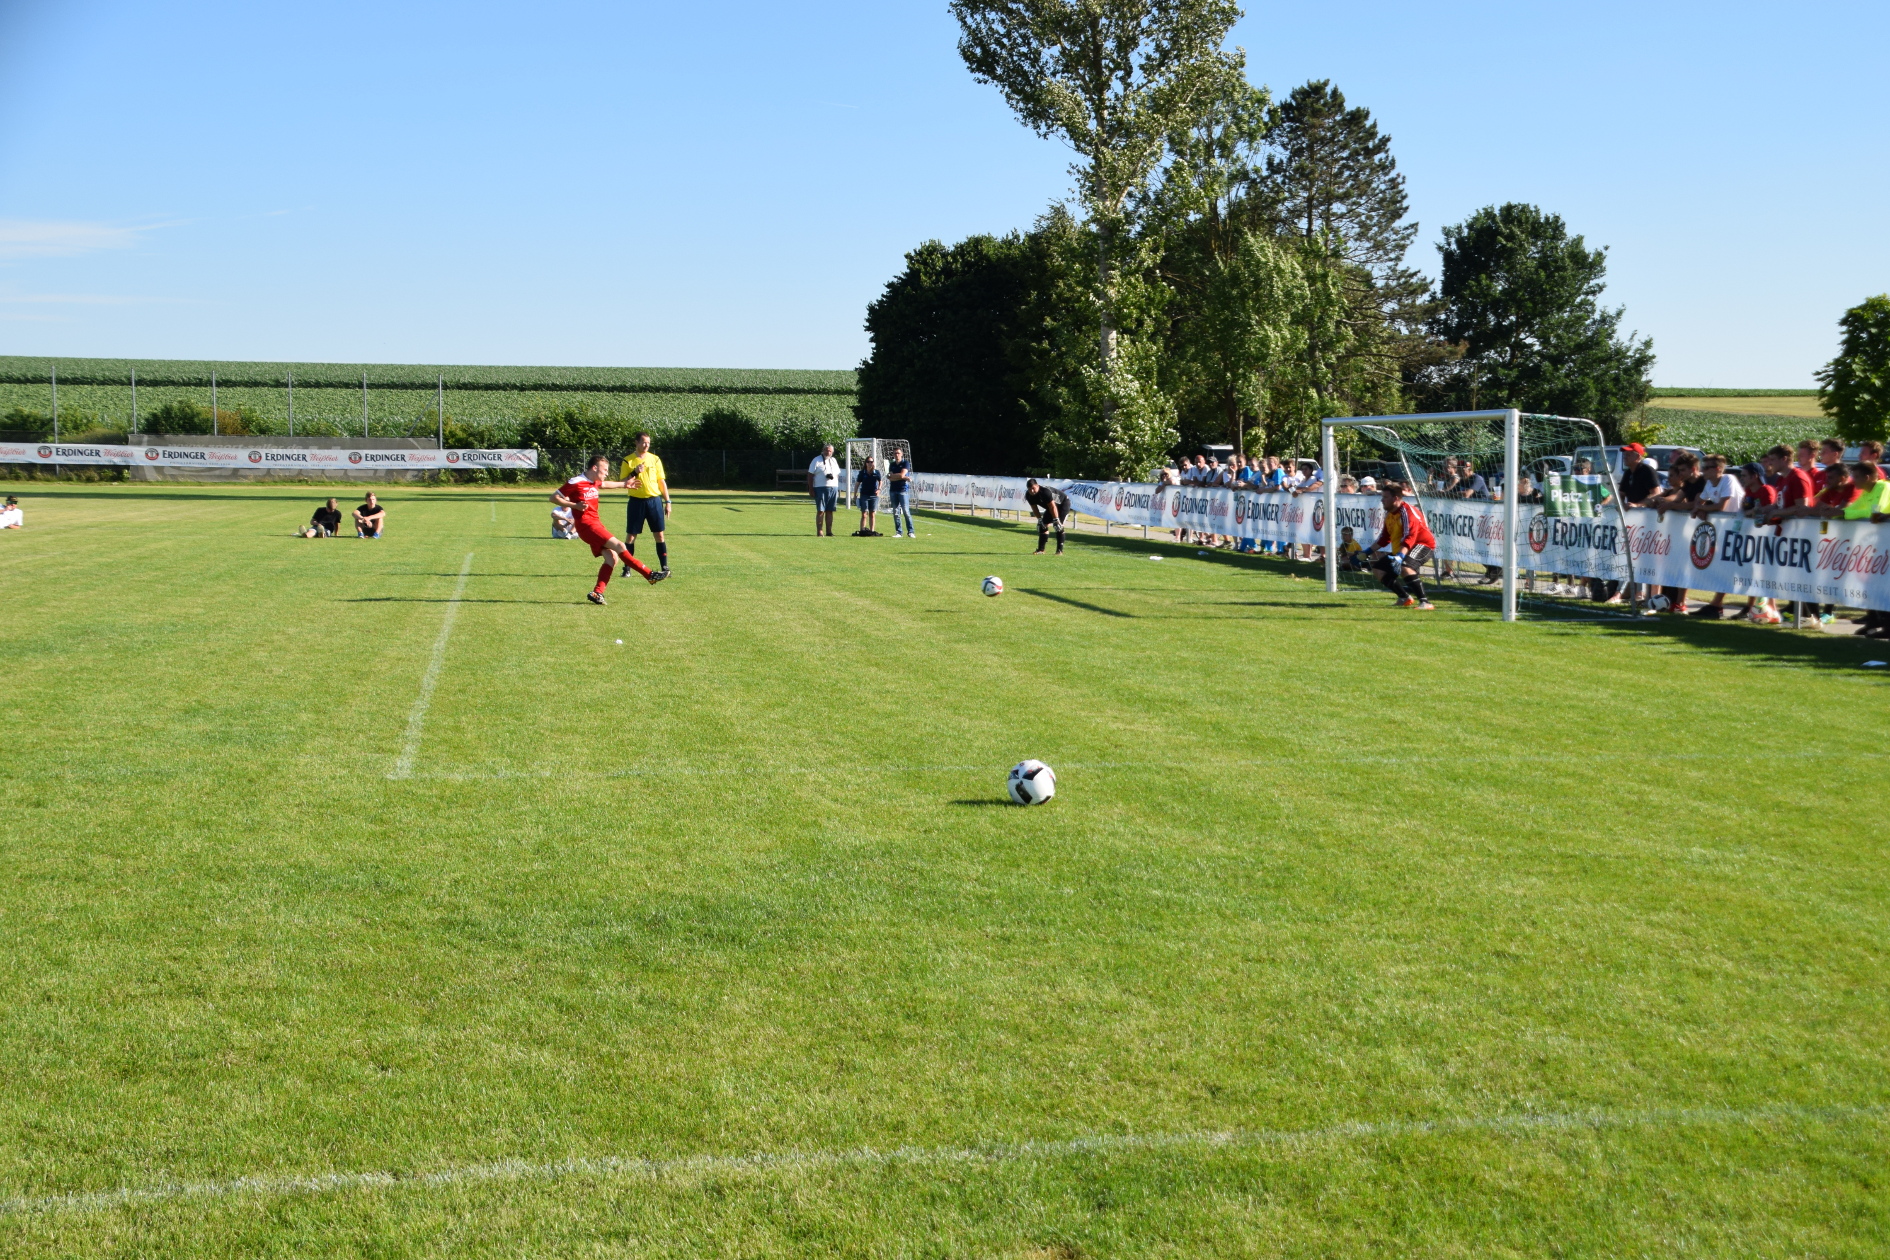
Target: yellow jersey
[644,473]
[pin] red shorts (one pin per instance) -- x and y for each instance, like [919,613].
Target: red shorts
[594,533]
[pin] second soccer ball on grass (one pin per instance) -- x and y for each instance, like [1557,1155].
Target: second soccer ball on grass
[1031,783]
[994,586]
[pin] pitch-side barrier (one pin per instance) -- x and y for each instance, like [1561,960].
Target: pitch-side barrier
[1817,561]
[261,458]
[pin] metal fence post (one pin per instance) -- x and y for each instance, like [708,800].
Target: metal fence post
[55,402]
[215,419]
[364,420]
[439,399]
[291,404]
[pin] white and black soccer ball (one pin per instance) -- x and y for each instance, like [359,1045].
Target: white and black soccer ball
[1659,603]
[994,585]
[1031,783]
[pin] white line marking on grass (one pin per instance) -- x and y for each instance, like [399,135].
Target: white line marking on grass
[843,766]
[416,720]
[282,1185]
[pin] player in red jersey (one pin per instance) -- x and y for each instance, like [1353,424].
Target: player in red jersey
[1402,547]
[580,494]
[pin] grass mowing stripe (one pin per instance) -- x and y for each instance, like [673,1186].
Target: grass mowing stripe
[267,1185]
[416,720]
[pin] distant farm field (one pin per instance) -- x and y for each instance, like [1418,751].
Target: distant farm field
[1803,405]
[96,393]
[385,899]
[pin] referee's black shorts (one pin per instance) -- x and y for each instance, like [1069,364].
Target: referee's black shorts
[641,510]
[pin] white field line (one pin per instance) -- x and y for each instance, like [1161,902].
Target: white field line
[279,1185]
[1587,756]
[416,720]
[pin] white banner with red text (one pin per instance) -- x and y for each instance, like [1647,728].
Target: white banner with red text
[266,458]
[1839,562]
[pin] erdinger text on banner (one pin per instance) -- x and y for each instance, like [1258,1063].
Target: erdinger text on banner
[1835,562]
[267,457]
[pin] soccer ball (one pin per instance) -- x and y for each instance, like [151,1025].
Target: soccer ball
[994,586]
[1659,603]
[1031,783]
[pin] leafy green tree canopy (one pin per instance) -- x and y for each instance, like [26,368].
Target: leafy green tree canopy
[950,369]
[1854,388]
[1521,300]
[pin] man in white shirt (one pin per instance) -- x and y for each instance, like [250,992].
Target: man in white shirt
[823,484]
[10,516]
[1722,492]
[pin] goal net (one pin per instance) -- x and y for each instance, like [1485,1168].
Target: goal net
[882,451]
[1462,466]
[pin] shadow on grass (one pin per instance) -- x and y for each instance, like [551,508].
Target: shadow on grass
[1761,646]
[1074,603]
[980,801]
[419,599]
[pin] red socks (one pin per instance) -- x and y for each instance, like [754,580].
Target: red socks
[636,564]
[603,574]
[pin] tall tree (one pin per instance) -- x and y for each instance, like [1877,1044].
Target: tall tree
[1115,79]
[953,351]
[1854,387]
[1521,300]
[1331,182]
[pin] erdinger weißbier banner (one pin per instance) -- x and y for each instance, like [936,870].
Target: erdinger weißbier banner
[1840,562]
[269,458]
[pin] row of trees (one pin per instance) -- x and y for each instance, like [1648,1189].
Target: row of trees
[1232,269]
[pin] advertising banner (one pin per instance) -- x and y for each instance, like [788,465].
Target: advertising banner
[1837,562]
[263,458]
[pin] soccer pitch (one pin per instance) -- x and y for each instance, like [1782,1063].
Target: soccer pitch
[1351,931]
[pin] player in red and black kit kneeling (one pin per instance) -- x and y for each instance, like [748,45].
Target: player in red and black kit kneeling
[580,494]
[1402,548]
[1051,508]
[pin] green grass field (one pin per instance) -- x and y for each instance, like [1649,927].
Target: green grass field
[1351,931]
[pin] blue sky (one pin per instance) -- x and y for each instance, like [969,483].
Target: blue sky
[728,186]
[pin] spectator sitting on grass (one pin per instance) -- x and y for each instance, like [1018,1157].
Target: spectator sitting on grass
[10,516]
[563,522]
[1351,555]
[369,518]
[325,522]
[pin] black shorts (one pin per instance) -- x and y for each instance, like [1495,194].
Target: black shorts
[641,510]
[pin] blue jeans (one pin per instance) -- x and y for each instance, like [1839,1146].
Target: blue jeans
[902,506]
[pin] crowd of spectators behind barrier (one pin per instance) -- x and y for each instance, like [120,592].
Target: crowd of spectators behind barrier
[1817,479]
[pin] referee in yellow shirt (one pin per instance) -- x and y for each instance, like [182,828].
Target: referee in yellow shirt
[649,499]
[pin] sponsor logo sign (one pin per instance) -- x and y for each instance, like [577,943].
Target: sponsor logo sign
[1838,561]
[1705,537]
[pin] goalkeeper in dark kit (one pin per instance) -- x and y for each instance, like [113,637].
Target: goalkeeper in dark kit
[1051,508]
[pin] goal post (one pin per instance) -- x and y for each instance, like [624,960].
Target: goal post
[1510,419]
[1550,449]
